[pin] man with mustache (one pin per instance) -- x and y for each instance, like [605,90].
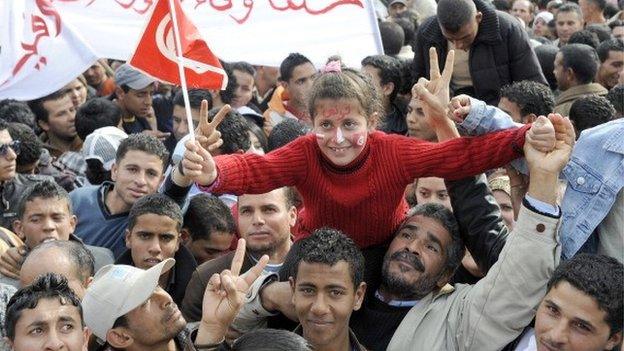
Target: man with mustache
[152,236]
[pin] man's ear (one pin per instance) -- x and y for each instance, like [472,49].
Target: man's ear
[43,125]
[17,228]
[119,93]
[292,216]
[185,236]
[119,338]
[291,280]
[73,220]
[87,335]
[114,170]
[479,17]
[360,292]
[387,88]
[614,340]
[127,237]
[530,118]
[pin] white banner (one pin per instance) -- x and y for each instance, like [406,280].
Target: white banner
[261,32]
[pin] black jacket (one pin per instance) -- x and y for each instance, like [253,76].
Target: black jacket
[182,271]
[501,53]
[11,192]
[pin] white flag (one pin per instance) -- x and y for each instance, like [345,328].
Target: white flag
[40,52]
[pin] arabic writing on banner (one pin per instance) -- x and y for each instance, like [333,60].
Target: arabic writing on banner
[260,31]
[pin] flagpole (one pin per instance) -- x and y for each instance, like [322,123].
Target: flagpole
[179,57]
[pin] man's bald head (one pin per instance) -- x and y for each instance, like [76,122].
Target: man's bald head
[453,14]
[68,258]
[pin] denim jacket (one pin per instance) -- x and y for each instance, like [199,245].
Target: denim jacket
[595,174]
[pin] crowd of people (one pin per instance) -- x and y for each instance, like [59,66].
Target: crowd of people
[463,191]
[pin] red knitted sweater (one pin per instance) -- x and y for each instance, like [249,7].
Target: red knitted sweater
[365,198]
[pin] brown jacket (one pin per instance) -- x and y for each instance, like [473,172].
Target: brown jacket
[566,98]
[194,296]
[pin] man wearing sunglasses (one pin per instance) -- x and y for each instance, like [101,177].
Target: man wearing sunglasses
[12,184]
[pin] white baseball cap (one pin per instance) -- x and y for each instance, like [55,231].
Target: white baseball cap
[117,290]
[102,145]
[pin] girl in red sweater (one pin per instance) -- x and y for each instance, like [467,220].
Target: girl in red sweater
[350,176]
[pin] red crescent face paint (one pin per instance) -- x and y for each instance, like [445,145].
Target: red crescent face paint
[341,129]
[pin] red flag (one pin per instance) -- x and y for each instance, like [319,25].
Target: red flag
[156,54]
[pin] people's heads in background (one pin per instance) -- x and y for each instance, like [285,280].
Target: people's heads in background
[9,149]
[501,190]
[546,55]
[17,112]
[284,132]
[584,37]
[417,125]
[138,169]
[524,10]
[95,75]
[592,9]
[77,91]
[408,21]
[392,37]
[44,213]
[180,125]
[153,233]
[525,100]
[94,114]
[429,190]
[601,31]
[589,111]
[30,148]
[71,259]
[617,29]
[134,91]
[568,20]
[385,73]
[540,25]
[575,64]
[55,114]
[424,254]
[327,281]
[245,75]
[99,150]
[222,97]
[271,340]
[459,21]
[502,5]
[208,228]
[46,313]
[611,55]
[397,7]
[583,306]
[297,73]
[257,137]
[234,133]
[553,6]
[616,98]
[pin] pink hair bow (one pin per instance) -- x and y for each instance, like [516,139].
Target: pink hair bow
[332,67]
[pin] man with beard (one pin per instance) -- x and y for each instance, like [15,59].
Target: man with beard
[264,221]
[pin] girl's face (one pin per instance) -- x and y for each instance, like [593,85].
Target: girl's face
[341,129]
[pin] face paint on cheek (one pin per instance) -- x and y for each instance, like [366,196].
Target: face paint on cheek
[358,139]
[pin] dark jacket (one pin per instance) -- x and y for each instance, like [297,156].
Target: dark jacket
[501,53]
[192,302]
[184,267]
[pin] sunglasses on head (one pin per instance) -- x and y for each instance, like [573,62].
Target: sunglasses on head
[14,145]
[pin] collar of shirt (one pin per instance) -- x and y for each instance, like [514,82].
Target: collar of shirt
[396,303]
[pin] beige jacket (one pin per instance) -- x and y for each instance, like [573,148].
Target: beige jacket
[492,313]
[566,98]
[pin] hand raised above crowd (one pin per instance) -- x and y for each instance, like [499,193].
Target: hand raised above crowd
[553,161]
[434,93]
[206,132]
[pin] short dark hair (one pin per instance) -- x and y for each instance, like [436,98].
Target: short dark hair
[583,61]
[94,114]
[444,216]
[75,251]
[47,286]
[3,125]
[589,111]
[289,64]
[570,7]
[206,214]
[195,98]
[271,340]
[234,132]
[45,189]
[530,96]
[96,173]
[258,132]
[19,112]
[227,94]
[36,105]
[601,31]
[158,204]
[244,67]
[502,5]
[329,246]
[407,21]
[609,45]
[599,276]
[454,14]
[30,145]
[286,131]
[389,71]
[546,56]
[142,142]
[616,97]
[392,37]
[586,37]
